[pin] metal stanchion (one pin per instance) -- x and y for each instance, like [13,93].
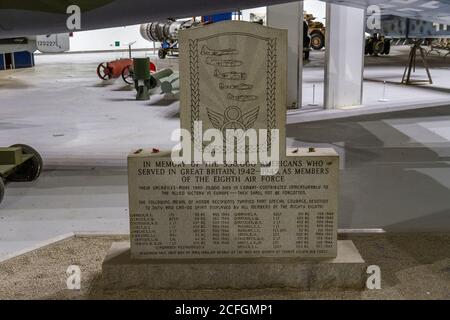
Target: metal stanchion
[384,98]
[313,104]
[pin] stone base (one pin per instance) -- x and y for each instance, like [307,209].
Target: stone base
[348,270]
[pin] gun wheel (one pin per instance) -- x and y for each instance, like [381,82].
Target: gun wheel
[162,53]
[103,71]
[127,75]
[31,169]
[2,189]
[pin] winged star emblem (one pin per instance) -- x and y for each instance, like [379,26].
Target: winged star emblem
[233,118]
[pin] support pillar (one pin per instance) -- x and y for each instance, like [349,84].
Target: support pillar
[290,16]
[344,58]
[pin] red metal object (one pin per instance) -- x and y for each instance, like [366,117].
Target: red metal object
[152,67]
[115,69]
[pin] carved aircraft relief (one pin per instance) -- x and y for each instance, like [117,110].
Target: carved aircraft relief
[242,98]
[222,52]
[223,63]
[241,86]
[232,75]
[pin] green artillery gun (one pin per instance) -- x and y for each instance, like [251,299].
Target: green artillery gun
[144,81]
[18,163]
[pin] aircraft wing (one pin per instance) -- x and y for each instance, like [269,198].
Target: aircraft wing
[19,18]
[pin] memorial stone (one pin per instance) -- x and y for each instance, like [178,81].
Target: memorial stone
[228,224]
[233,76]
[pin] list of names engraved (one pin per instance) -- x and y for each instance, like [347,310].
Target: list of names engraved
[211,211]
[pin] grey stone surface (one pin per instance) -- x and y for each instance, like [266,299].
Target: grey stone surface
[233,76]
[119,271]
[193,212]
[208,226]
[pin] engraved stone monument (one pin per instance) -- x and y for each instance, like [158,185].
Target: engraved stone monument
[213,225]
[234,77]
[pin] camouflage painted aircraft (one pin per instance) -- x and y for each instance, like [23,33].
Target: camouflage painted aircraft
[408,28]
[24,18]
[405,20]
[428,10]
[410,18]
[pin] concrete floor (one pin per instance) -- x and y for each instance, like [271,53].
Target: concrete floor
[413,266]
[377,70]
[67,113]
[62,201]
[395,165]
